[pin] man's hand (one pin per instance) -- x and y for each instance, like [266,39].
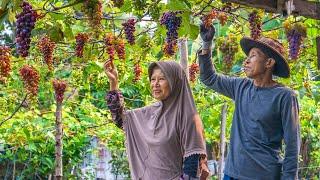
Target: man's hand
[207,34]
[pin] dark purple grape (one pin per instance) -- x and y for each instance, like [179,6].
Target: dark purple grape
[25,23]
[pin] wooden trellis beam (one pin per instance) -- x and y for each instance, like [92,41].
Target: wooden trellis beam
[299,7]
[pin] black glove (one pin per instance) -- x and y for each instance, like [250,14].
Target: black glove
[207,36]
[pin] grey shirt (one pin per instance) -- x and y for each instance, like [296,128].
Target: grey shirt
[263,117]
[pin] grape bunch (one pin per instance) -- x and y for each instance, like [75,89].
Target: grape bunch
[109,43]
[129,29]
[93,10]
[172,23]
[30,77]
[46,47]
[137,72]
[222,17]
[119,46]
[255,21]
[5,66]
[25,23]
[295,34]
[118,3]
[207,19]
[228,47]
[59,87]
[81,40]
[193,71]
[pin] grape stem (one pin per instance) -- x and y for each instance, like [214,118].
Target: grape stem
[15,111]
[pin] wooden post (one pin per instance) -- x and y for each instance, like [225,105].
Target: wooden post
[222,138]
[58,150]
[318,51]
[183,46]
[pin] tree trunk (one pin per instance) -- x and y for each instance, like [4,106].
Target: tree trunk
[318,51]
[222,138]
[183,46]
[58,150]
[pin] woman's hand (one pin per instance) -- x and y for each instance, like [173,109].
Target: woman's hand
[112,75]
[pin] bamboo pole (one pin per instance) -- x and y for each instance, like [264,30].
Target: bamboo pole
[222,138]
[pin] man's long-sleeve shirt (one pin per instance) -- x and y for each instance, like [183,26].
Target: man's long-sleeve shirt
[263,117]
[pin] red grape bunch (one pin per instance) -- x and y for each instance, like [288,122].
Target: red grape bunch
[108,41]
[137,72]
[229,47]
[119,46]
[193,71]
[255,21]
[59,87]
[222,17]
[129,29]
[25,23]
[5,66]
[207,19]
[93,10]
[46,47]
[295,34]
[30,77]
[81,40]
[172,23]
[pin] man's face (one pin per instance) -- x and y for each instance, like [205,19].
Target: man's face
[256,63]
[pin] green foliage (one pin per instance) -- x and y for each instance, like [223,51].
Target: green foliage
[28,136]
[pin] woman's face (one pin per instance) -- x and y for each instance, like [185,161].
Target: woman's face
[159,85]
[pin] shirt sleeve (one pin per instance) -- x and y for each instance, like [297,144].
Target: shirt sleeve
[115,104]
[291,133]
[222,84]
[191,165]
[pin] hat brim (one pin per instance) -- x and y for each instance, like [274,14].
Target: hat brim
[281,68]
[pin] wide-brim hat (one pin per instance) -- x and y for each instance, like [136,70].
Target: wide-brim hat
[273,49]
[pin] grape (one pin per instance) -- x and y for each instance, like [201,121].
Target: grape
[59,87]
[119,46]
[207,19]
[295,34]
[46,47]
[129,29]
[108,40]
[81,40]
[137,72]
[30,77]
[172,23]
[255,24]
[228,46]
[93,10]
[222,18]
[25,23]
[5,66]
[193,71]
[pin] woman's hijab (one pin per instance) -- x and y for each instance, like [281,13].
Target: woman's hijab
[160,136]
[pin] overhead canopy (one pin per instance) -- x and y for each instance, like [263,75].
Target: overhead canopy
[299,7]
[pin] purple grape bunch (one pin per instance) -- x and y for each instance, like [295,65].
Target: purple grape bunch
[172,23]
[255,24]
[25,23]
[295,40]
[129,29]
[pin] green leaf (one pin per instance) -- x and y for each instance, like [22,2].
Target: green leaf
[194,32]
[175,5]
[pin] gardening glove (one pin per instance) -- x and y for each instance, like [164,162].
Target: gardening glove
[207,36]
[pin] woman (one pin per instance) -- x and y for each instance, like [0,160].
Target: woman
[163,140]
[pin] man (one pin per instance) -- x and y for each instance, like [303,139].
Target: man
[266,112]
